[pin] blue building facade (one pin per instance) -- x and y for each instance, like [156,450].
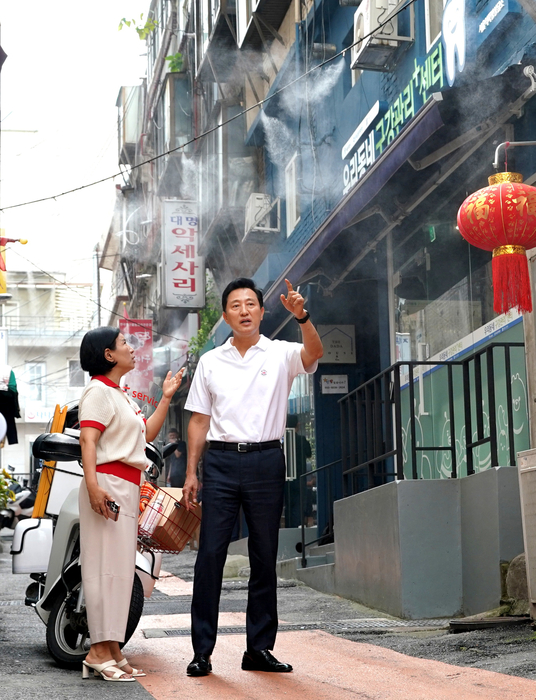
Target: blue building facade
[335,142]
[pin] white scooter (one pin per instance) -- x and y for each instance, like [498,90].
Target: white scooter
[49,550]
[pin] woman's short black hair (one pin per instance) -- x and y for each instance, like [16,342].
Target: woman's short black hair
[92,348]
[240,283]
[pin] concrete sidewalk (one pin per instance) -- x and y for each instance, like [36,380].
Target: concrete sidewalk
[326,667]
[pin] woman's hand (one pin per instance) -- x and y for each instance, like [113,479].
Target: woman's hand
[97,499]
[156,421]
[171,384]
[89,437]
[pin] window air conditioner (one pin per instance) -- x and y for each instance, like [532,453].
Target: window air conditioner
[262,217]
[373,50]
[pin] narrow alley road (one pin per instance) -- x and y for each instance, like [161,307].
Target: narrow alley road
[326,666]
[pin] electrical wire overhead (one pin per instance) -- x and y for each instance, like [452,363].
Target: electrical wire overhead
[258,104]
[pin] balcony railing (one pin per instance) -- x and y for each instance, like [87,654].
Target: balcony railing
[45,325]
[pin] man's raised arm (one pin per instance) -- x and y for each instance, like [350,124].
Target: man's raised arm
[312,345]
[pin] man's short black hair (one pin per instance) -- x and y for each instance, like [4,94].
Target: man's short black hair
[92,348]
[240,283]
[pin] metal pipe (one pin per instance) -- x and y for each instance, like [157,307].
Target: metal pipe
[492,410]
[509,411]
[454,469]
[468,428]
[302,485]
[398,426]
[413,432]
[506,145]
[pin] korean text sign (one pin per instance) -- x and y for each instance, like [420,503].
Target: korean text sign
[139,335]
[183,268]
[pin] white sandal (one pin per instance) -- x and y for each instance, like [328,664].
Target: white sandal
[136,672]
[98,670]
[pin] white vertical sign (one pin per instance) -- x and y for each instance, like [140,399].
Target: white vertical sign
[183,268]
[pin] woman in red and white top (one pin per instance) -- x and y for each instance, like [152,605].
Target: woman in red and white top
[113,435]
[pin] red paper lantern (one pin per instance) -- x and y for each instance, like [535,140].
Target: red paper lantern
[502,218]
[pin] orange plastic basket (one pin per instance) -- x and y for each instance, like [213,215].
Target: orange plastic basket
[165,525]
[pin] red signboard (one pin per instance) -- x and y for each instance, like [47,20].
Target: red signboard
[139,335]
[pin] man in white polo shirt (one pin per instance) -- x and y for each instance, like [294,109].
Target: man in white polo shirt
[238,401]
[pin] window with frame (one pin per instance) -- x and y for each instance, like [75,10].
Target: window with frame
[76,374]
[292,194]
[205,24]
[34,375]
[433,12]
[244,12]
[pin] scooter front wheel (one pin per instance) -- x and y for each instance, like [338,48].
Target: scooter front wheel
[67,633]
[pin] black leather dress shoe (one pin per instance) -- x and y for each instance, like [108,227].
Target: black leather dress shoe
[199,666]
[263,661]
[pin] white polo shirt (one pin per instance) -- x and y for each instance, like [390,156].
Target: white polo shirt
[246,397]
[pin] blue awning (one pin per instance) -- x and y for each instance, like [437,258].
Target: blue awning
[414,135]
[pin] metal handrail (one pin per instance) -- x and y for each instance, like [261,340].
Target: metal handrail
[307,475]
[353,453]
[374,409]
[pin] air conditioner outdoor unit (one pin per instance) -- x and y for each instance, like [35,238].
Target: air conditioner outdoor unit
[262,217]
[373,50]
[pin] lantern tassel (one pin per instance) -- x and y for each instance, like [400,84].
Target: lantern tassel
[511,281]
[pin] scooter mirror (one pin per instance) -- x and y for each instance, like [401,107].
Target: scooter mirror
[169,449]
[153,455]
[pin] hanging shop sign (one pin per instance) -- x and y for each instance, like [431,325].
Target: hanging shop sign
[139,335]
[382,124]
[183,268]
[403,346]
[495,13]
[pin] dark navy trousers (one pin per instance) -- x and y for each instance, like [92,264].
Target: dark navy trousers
[255,481]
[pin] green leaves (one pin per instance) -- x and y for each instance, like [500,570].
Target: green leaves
[176,62]
[143,28]
[207,320]
[6,494]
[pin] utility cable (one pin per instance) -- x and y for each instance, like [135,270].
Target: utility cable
[257,105]
[61,283]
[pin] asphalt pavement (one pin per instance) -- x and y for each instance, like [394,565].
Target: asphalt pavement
[339,649]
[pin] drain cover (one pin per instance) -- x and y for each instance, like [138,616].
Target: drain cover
[334,627]
[11,602]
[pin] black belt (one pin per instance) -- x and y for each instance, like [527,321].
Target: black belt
[245,446]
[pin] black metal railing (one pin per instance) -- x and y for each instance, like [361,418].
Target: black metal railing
[327,495]
[375,446]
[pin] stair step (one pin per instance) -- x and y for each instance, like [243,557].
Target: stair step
[320,549]
[316,561]
[320,577]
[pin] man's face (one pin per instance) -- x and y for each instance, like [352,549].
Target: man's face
[243,312]
[173,437]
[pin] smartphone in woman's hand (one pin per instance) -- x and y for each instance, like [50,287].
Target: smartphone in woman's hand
[113,509]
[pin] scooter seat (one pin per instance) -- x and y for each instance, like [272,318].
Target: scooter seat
[56,447]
